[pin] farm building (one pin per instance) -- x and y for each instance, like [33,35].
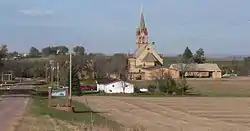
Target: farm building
[206,70]
[116,87]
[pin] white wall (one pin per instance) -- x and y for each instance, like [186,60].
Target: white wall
[116,87]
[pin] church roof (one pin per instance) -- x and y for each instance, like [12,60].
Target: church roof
[139,50]
[142,21]
[150,58]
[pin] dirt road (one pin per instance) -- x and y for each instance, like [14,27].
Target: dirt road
[11,110]
[176,114]
[12,106]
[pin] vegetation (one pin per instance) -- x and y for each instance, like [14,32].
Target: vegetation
[75,82]
[79,50]
[187,55]
[83,114]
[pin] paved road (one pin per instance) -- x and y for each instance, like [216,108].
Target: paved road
[11,109]
[24,87]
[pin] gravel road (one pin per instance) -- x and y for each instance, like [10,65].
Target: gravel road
[11,110]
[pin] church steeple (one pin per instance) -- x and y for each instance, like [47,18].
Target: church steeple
[142,21]
[141,31]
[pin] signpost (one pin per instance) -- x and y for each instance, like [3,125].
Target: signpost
[59,92]
[65,92]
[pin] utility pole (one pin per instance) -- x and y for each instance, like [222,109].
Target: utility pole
[70,75]
[52,72]
[57,74]
[46,73]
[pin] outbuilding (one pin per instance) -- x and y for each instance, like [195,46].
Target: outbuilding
[206,70]
[116,87]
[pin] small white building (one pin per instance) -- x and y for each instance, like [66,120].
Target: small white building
[116,87]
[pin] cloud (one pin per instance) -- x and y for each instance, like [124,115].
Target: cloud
[36,12]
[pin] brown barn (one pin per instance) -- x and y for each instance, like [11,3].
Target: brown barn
[206,70]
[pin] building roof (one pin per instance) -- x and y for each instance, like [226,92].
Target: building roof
[152,67]
[139,50]
[150,58]
[196,67]
[142,21]
[106,81]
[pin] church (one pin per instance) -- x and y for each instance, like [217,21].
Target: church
[145,63]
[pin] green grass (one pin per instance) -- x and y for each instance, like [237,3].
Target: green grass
[39,107]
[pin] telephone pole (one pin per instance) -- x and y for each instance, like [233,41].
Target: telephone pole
[46,73]
[57,74]
[52,71]
[70,75]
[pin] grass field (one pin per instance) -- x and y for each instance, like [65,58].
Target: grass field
[175,113]
[39,117]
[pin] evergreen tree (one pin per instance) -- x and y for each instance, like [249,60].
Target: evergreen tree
[187,55]
[76,90]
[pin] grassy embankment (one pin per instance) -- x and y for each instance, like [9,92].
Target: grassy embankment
[40,117]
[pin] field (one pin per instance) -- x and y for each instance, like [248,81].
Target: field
[237,86]
[175,113]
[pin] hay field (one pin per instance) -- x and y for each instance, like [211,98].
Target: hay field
[175,113]
[236,86]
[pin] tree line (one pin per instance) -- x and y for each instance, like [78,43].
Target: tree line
[189,57]
[95,65]
[55,50]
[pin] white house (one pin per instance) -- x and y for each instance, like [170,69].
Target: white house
[116,87]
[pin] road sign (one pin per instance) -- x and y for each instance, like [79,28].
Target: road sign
[57,92]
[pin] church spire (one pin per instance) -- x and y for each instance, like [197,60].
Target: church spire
[142,21]
[141,32]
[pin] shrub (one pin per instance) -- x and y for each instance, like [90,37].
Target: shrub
[171,86]
[152,88]
[136,90]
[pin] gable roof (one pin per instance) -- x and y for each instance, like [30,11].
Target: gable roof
[139,50]
[142,52]
[150,58]
[196,67]
[106,81]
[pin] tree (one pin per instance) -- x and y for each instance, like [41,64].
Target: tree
[59,50]
[79,50]
[13,54]
[76,90]
[199,56]
[47,51]
[3,54]
[187,55]
[34,52]
[170,86]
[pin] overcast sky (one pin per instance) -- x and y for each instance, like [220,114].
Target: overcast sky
[108,26]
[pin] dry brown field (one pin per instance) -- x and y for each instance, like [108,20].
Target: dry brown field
[235,86]
[175,113]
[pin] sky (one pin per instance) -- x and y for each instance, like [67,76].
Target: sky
[108,26]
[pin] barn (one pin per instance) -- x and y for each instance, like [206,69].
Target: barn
[206,70]
[115,87]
